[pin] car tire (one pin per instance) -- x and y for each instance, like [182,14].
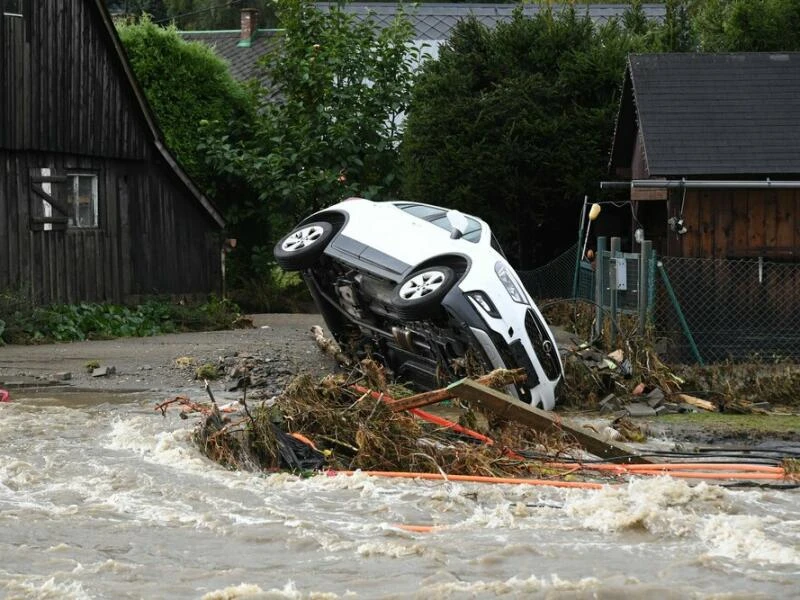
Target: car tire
[302,247]
[420,295]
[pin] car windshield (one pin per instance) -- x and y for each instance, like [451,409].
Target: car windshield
[438,217]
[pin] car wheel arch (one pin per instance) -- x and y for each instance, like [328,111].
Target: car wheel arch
[458,262]
[336,218]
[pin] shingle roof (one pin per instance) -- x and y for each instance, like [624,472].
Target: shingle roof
[242,61]
[718,113]
[434,21]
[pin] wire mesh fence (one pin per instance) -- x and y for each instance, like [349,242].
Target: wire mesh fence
[728,309]
[556,278]
[700,310]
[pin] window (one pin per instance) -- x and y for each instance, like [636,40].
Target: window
[47,208]
[472,234]
[438,217]
[11,8]
[82,200]
[420,210]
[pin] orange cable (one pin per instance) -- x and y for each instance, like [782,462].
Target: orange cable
[436,420]
[747,467]
[473,479]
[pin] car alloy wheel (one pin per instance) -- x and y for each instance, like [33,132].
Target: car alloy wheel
[422,284]
[420,295]
[301,248]
[302,238]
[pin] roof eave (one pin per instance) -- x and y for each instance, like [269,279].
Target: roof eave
[155,130]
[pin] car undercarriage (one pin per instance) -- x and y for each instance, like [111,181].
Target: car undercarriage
[360,314]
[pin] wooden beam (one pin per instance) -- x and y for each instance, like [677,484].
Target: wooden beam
[508,407]
[57,204]
[434,396]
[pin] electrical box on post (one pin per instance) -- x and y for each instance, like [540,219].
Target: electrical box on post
[621,266]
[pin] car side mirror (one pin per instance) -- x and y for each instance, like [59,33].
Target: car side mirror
[458,223]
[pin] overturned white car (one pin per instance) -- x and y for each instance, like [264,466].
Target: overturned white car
[424,290]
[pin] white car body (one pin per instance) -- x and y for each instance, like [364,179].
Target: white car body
[376,246]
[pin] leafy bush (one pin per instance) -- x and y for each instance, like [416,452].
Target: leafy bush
[274,290]
[185,84]
[76,322]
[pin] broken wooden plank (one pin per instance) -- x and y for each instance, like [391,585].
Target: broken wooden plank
[434,396]
[697,402]
[508,407]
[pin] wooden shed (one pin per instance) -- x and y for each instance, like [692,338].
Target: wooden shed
[93,207]
[710,144]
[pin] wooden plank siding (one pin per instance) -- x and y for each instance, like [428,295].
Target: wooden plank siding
[738,223]
[66,104]
[169,249]
[67,92]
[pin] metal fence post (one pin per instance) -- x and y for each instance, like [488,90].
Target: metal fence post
[612,284]
[686,331]
[578,257]
[599,270]
[644,286]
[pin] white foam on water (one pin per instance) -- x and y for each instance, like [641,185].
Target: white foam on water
[515,586]
[392,549]
[659,505]
[743,536]
[288,592]
[44,589]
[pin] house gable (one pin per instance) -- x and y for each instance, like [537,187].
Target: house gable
[710,114]
[67,87]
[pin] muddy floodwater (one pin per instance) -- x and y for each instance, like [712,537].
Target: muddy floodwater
[101,497]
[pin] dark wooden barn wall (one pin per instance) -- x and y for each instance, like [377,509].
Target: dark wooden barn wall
[739,224]
[61,88]
[65,103]
[151,239]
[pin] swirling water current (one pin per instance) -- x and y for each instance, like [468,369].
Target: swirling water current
[102,497]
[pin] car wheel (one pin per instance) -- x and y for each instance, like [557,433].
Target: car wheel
[301,248]
[420,295]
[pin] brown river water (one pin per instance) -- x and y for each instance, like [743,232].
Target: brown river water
[101,497]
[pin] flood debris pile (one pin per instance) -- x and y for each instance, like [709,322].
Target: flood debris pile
[346,421]
[358,419]
[633,379]
[630,375]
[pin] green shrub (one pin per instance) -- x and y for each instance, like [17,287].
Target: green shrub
[24,323]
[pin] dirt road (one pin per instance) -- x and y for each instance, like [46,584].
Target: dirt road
[152,363]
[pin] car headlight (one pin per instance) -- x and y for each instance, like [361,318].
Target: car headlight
[508,283]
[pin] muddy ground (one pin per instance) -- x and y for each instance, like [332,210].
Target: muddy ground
[167,365]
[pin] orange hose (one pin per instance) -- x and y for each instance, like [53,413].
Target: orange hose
[685,470]
[474,479]
[713,475]
[746,467]
[436,420]
[417,528]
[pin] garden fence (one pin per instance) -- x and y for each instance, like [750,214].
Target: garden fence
[699,310]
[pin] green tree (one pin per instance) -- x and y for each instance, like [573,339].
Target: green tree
[154,8]
[186,84]
[747,25]
[515,125]
[676,34]
[330,127]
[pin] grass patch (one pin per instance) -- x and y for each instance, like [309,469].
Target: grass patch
[733,424]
